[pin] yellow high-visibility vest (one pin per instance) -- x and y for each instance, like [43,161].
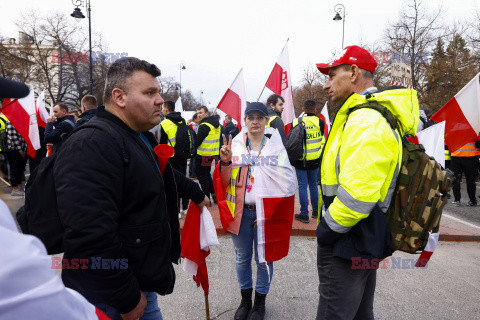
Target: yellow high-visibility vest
[270,120]
[211,145]
[315,139]
[170,129]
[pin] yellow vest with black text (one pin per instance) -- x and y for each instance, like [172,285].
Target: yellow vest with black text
[315,139]
[210,146]
[230,193]
[170,129]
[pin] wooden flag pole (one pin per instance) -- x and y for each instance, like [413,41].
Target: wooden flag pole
[261,92]
[207,308]
[4,181]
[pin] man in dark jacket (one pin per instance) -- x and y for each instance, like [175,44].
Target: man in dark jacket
[88,108]
[208,149]
[275,108]
[230,127]
[57,130]
[168,133]
[118,209]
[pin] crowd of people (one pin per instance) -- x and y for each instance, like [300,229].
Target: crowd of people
[116,201]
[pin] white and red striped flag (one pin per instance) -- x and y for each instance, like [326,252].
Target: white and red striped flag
[42,113]
[234,101]
[462,116]
[23,116]
[428,251]
[280,82]
[324,116]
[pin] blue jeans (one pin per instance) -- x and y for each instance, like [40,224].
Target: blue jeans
[151,312]
[307,178]
[244,244]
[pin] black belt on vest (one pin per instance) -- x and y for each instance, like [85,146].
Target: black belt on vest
[251,207]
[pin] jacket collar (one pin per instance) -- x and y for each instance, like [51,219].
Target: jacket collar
[88,112]
[67,117]
[103,113]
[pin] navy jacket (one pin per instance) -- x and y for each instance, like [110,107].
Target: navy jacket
[63,126]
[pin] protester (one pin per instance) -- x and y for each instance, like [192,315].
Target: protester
[230,128]
[359,169]
[208,149]
[3,146]
[275,108]
[17,159]
[307,167]
[464,161]
[168,136]
[58,126]
[247,186]
[192,173]
[88,109]
[115,203]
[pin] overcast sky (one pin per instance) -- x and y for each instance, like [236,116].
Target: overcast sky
[215,38]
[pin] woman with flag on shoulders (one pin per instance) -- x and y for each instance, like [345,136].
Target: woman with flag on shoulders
[255,188]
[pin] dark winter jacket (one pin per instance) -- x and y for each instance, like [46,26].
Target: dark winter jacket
[85,117]
[231,129]
[63,126]
[115,204]
[277,123]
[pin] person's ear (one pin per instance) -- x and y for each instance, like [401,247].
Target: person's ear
[119,97]
[355,73]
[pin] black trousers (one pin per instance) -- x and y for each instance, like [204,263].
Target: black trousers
[345,293]
[467,166]
[39,155]
[17,167]
[203,166]
[181,166]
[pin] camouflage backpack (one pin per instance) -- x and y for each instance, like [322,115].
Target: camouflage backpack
[421,192]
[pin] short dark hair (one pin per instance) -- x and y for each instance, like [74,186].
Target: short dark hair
[195,116]
[273,99]
[170,105]
[204,108]
[63,106]
[227,116]
[366,74]
[89,102]
[122,69]
[309,105]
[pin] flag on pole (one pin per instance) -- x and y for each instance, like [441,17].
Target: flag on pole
[23,116]
[462,116]
[433,140]
[280,82]
[428,251]
[198,236]
[179,106]
[234,100]
[42,113]
[326,119]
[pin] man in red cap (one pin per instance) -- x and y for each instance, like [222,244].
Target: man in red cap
[359,169]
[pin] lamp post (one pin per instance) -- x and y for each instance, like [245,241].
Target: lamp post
[340,8]
[182,67]
[77,14]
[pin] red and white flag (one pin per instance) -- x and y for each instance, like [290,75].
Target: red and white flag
[433,140]
[198,236]
[42,113]
[326,119]
[23,116]
[234,101]
[428,251]
[462,116]
[280,82]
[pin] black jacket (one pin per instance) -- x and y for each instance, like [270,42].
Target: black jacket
[278,124]
[85,117]
[63,126]
[231,129]
[203,131]
[115,204]
[176,117]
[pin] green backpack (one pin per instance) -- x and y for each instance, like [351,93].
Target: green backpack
[421,192]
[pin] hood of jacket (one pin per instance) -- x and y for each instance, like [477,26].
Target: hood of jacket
[175,117]
[213,120]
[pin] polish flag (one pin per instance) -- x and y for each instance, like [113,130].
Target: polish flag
[23,116]
[433,140]
[326,119]
[462,116]
[198,235]
[428,251]
[280,82]
[234,101]
[42,113]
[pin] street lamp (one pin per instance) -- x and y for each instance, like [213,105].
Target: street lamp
[340,8]
[77,14]
[182,67]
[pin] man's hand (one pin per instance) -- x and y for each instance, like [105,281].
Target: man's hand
[51,119]
[205,202]
[137,312]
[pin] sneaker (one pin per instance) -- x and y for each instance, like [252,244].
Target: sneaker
[302,217]
[471,204]
[18,193]
[456,203]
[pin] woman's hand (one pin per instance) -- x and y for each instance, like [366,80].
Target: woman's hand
[226,150]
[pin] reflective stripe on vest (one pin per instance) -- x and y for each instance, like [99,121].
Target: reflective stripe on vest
[467,150]
[170,129]
[230,193]
[315,139]
[211,145]
[270,120]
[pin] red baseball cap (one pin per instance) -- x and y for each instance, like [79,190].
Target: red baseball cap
[350,55]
